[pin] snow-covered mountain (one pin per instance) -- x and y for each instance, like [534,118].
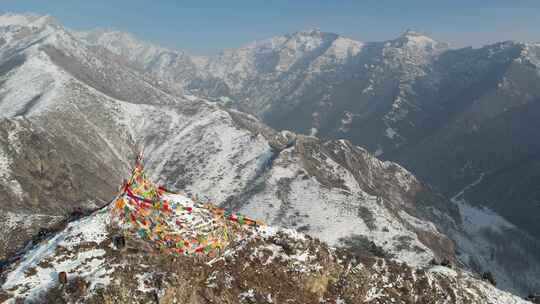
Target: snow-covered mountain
[174,67]
[73,116]
[448,115]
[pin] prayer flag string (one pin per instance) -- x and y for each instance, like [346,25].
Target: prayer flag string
[176,223]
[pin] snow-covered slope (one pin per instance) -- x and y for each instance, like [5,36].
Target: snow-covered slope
[236,162]
[36,272]
[484,248]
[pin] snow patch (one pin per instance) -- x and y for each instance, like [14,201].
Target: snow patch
[31,278]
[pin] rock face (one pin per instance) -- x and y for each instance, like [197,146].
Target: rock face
[82,265]
[74,116]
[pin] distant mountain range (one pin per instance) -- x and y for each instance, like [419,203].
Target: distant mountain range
[77,106]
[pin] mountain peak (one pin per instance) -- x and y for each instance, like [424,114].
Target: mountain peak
[415,36]
[101,32]
[411,33]
[312,32]
[415,39]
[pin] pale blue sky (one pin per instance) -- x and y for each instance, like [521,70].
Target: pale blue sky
[205,27]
